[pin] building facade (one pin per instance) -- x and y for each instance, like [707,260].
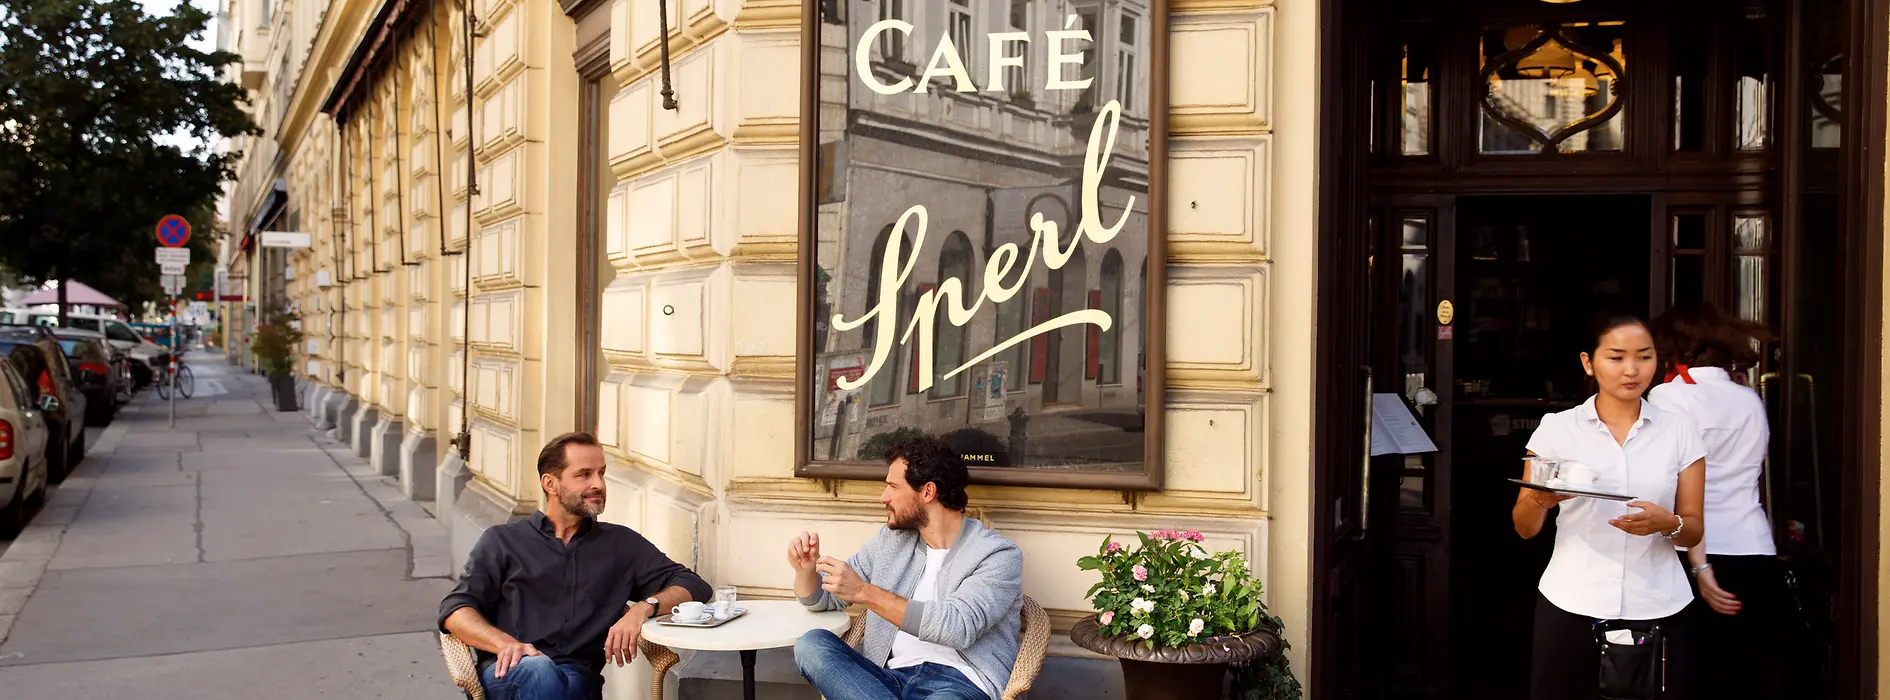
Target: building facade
[610,215]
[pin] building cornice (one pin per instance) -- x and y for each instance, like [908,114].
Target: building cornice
[346,23]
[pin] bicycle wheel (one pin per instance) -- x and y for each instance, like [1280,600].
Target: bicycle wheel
[162,384]
[186,383]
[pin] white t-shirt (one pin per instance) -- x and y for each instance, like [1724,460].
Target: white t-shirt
[908,650]
[1598,570]
[1733,425]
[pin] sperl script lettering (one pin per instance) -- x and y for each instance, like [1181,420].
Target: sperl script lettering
[897,265]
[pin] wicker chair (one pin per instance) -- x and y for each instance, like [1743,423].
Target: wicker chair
[463,664]
[1030,649]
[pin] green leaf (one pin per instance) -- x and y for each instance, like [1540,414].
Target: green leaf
[1089,563]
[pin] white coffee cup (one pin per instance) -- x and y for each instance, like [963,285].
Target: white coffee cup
[689,612]
[1579,476]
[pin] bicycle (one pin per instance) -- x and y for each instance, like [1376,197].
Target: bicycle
[177,373]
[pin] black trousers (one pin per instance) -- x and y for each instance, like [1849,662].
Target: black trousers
[1743,655]
[1565,663]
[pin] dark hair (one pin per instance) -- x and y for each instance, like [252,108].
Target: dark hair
[929,459]
[1704,336]
[1604,323]
[551,460]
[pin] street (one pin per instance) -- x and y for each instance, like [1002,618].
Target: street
[241,554]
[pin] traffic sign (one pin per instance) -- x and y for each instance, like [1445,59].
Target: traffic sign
[285,239]
[173,231]
[170,268]
[173,284]
[173,256]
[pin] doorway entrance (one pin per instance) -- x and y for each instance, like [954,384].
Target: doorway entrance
[1500,172]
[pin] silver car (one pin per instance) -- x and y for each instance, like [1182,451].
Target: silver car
[23,435]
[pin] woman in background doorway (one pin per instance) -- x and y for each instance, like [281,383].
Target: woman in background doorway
[1613,561]
[1743,595]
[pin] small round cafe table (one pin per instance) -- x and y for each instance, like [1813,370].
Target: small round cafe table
[769,624]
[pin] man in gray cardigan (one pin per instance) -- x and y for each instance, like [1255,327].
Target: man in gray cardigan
[942,591]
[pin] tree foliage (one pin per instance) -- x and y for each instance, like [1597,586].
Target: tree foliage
[90,93]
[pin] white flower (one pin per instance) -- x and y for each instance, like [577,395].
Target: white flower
[1145,631]
[1209,590]
[1141,606]
[1184,595]
[1149,588]
[1195,627]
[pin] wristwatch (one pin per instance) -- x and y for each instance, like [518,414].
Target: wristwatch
[1676,528]
[656,606]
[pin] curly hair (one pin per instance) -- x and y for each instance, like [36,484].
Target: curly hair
[929,459]
[1704,336]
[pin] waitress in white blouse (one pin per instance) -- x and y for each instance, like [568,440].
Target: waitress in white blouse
[1744,597]
[1613,560]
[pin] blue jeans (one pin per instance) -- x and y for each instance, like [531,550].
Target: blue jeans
[540,678]
[840,673]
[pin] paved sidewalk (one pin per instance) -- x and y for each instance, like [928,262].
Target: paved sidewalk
[239,555]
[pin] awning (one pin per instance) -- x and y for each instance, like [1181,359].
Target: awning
[272,204]
[76,293]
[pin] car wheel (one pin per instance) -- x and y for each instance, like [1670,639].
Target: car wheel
[13,516]
[56,465]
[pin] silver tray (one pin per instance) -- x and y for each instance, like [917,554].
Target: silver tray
[704,623]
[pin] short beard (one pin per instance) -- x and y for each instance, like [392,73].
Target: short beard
[574,504]
[918,520]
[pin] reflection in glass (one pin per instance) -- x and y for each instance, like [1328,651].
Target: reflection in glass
[1753,91]
[1827,96]
[1415,111]
[1749,251]
[967,188]
[1414,297]
[1552,87]
[1411,493]
[1688,279]
[1689,56]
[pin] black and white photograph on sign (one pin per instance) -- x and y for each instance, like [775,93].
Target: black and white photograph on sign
[981,232]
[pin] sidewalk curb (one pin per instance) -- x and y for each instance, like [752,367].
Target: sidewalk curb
[25,561]
[426,537]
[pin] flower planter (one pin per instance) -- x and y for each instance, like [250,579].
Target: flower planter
[1193,672]
[282,386]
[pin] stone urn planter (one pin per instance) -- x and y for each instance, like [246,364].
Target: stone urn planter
[1193,672]
[282,387]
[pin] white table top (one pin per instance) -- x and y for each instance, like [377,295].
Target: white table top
[769,624]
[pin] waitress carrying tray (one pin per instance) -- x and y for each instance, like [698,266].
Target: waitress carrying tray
[1572,492]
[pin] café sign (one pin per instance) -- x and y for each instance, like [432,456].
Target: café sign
[980,248]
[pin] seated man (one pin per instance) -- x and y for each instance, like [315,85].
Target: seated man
[943,592]
[550,599]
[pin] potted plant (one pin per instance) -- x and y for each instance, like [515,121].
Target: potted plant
[274,346]
[1177,615]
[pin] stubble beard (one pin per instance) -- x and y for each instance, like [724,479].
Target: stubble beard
[912,521]
[575,504]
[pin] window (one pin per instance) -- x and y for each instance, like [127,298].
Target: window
[948,339]
[886,382]
[121,332]
[1017,78]
[959,28]
[1110,352]
[892,45]
[1125,61]
[22,394]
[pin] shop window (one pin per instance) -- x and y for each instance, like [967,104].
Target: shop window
[1553,89]
[1109,355]
[948,339]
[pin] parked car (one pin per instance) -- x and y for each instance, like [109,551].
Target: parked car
[147,357]
[23,437]
[36,355]
[97,370]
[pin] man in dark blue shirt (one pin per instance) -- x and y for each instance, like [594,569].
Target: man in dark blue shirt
[550,599]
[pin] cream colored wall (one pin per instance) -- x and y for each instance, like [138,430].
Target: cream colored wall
[699,329]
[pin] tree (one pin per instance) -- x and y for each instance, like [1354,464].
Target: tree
[88,88]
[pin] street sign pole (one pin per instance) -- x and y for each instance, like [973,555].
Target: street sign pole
[173,367]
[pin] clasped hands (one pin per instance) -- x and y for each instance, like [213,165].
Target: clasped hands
[837,577]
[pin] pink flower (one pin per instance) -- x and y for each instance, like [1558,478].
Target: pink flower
[1195,535]
[1141,573]
[1114,547]
[1108,617]
[1165,535]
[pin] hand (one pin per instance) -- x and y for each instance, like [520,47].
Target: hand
[1652,519]
[1717,598]
[804,552]
[841,580]
[1547,500]
[620,644]
[510,655]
